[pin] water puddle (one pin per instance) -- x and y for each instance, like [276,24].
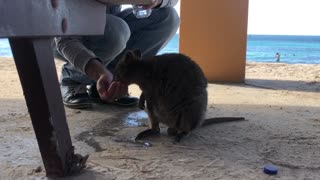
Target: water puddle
[138,118]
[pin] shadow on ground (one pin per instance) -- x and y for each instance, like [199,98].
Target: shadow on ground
[303,86]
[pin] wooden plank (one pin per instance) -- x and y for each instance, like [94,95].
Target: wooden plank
[38,76]
[51,17]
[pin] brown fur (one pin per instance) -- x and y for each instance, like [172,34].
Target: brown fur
[173,87]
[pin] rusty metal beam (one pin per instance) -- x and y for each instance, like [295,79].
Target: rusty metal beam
[38,76]
[25,18]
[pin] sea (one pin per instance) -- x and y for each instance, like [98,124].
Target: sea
[260,48]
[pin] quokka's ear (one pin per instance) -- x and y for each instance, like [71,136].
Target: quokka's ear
[137,53]
[129,57]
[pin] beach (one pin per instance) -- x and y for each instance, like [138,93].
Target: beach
[281,103]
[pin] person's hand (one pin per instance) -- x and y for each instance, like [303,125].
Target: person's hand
[110,90]
[155,3]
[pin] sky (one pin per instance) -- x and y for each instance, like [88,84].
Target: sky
[283,17]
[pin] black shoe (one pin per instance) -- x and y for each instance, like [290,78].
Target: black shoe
[77,97]
[126,101]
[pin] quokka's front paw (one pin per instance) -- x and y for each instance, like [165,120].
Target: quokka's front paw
[142,105]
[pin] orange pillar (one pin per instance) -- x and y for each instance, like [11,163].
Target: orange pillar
[214,34]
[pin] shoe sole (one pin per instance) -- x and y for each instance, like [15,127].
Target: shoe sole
[98,101]
[78,106]
[93,94]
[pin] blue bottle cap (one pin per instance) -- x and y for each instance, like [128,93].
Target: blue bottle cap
[270,169]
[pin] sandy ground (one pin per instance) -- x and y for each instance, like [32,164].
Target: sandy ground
[280,101]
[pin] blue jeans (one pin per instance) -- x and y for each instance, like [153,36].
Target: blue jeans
[124,31]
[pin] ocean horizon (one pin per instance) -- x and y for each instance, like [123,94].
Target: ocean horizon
[293,49]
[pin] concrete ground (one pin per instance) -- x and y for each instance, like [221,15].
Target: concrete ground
[281,103]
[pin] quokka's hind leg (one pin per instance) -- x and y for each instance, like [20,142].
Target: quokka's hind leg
[179,136]
[172,131]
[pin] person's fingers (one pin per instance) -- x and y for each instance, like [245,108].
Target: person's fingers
[115,91]
[112,90]
[148,6]
[120,91]
[103,92]
[152,5]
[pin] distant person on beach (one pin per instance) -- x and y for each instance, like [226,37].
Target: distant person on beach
[278,57]
[90,60]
